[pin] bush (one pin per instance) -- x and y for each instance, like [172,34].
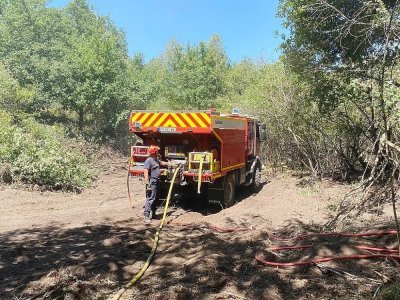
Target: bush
[34,153]
[391,292]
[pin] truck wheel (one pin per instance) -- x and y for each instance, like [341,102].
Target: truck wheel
[256,184]
[229,190]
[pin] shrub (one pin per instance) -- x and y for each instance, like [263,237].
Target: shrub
[35,153]
[391,292]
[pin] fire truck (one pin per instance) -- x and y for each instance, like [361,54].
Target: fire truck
[216,152]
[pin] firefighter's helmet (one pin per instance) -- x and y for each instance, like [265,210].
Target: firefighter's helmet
[153,149]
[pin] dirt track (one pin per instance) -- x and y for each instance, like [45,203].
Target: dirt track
[86,246]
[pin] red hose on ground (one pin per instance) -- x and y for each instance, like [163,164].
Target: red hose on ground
[323,259]
[343,234]
[361,247]
[260,259]
[377,249]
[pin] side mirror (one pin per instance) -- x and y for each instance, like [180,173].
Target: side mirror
[263,135]
[263,132]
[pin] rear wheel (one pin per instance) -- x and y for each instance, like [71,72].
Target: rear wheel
[256,184]
[229,190]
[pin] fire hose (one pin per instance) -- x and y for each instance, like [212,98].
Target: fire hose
[261,260]
[155,243]
[258,256]
[343,234]
[200,174]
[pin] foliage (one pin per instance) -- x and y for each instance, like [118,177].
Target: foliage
[32,152]
[195,74]
[391,292]
[347,53]
[271,93]
[30,44]
[73,59]
[13,98]
[155,86]
[335,34]
[326,102]
[40,154]
[281,100]
[96,63]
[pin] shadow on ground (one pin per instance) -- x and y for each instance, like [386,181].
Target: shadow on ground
[213,207]
[192,262]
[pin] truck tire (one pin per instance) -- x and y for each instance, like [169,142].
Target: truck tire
[256,184]
[229,190]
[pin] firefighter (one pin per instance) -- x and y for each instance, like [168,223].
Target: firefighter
[151,179]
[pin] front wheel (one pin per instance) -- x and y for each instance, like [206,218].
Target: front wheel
[229,190]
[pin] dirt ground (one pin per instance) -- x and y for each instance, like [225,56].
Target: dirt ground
[56,245]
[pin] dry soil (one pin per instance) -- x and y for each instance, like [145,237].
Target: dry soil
[56,245]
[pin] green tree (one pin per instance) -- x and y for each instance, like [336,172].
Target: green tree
[30,44]
[240,80]
[196,74]
[347,51]
[13,98]
[147,83]
[94,67]
[73,59]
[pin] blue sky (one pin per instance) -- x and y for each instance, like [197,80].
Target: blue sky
[248,29]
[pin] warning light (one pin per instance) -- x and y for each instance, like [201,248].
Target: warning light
[235,111]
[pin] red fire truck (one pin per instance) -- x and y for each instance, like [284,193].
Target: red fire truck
[217,152]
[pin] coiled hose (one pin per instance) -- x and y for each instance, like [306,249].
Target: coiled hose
[261,260]
[155,243]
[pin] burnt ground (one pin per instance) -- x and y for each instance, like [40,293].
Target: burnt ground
[56,245]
